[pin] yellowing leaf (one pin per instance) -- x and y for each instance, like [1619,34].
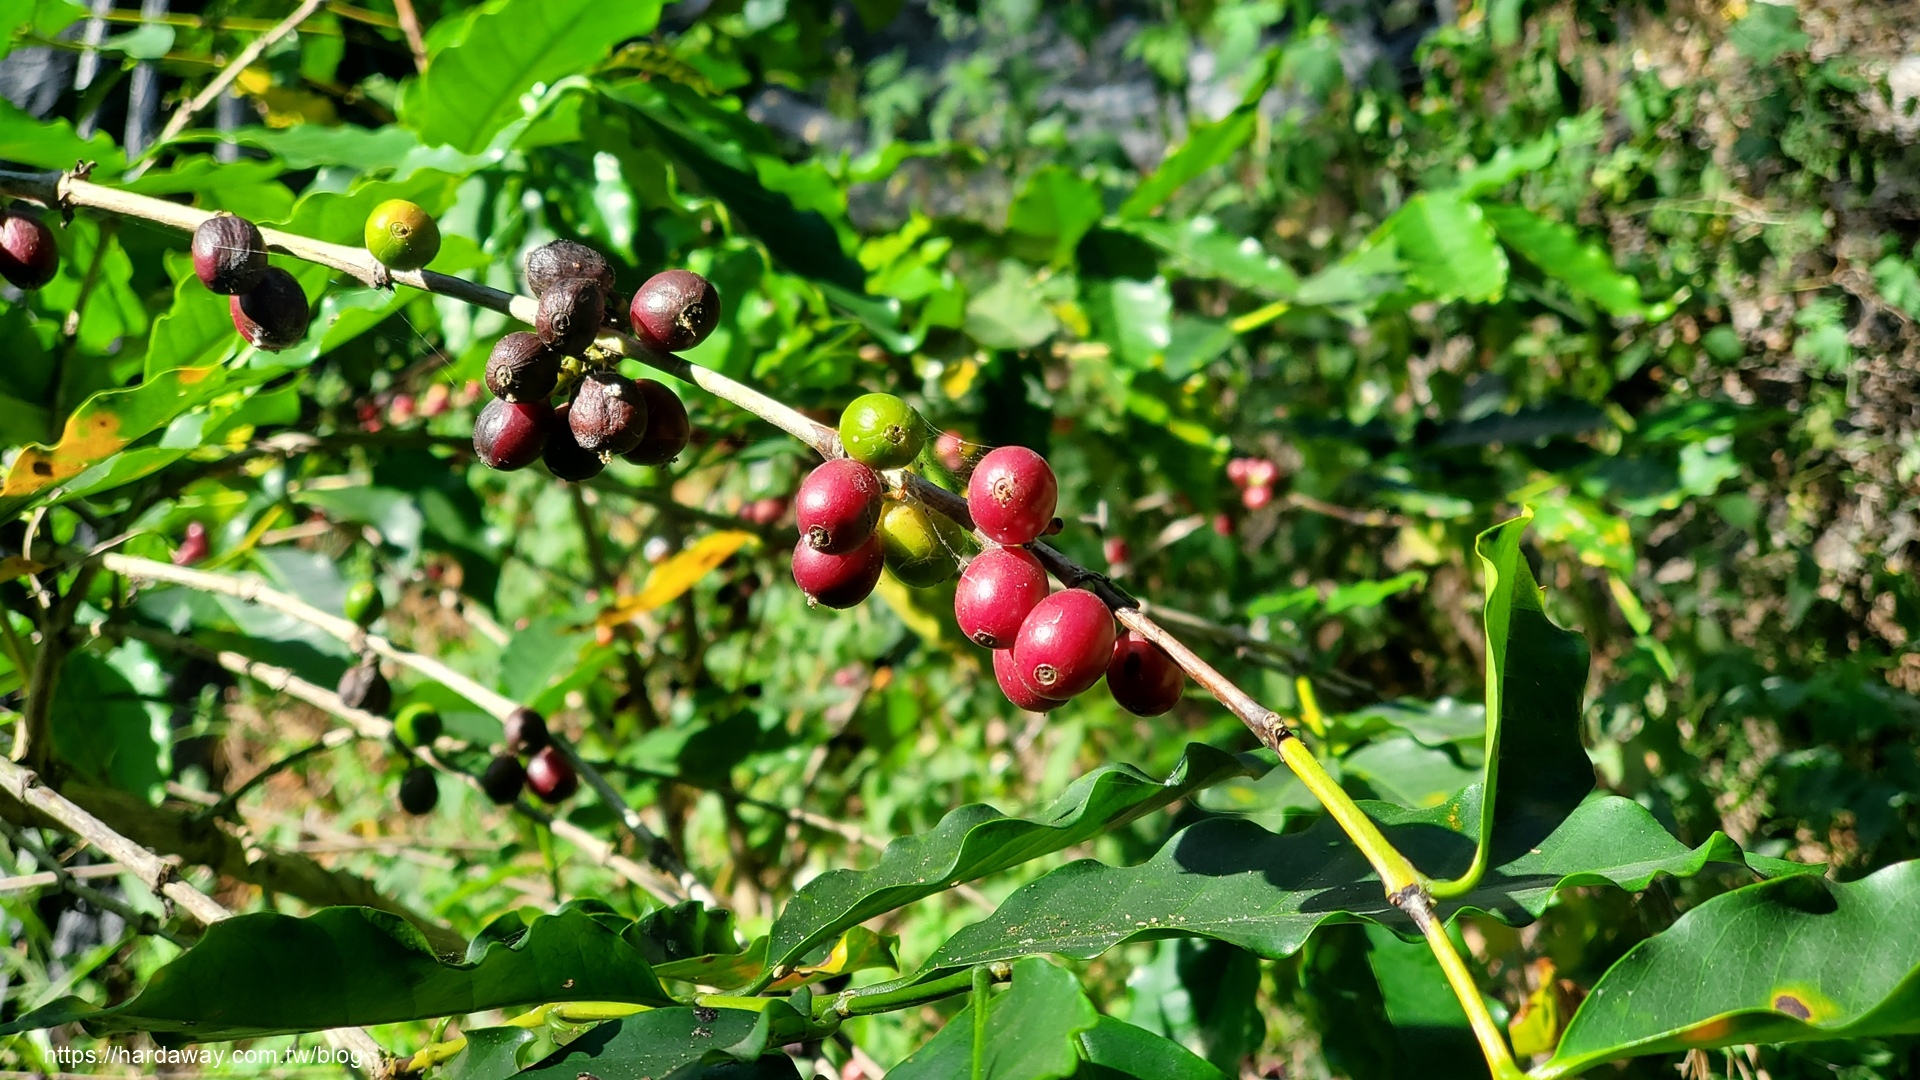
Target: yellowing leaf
[14,566]
[675,576]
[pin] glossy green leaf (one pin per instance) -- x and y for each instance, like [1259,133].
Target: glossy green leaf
[490,1054]
[977,840]
[1117,1050]
[1788,960]
[1008,314]
[105,423]
[1231,880]
[1202,995]
[1508,164]
[1448,249]
[271,974]
[1584,266]
[52,144]
[1033,1032]
[1207,146]
[659,1043]
[1133,316]
[1429,1027]
[111,720]
[1054,211]
[1201,248]
[491,56]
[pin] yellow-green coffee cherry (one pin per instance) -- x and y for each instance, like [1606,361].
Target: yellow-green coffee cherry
[402,235]
[418,724]
[881,431]
[922,549]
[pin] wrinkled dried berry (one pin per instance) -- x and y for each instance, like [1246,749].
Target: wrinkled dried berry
[675,310]
[525,730]
[609,414]
[564,260]
[564,457]
[570,314]
[510,435]
[229,255]
[550,777]
[520,368]
[273,316]
[668,428]
[997,591]
[363,687]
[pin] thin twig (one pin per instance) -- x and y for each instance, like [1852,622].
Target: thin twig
[410,26]
[209,93]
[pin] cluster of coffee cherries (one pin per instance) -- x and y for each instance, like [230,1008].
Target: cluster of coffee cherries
[29,256]
[1047,646]
[1255,478]
[268,306]
[606,414]
[546,772]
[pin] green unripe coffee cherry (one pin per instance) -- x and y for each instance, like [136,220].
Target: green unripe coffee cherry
[881,431]
[402,235]
[921,548]
[364,602]
[418,724]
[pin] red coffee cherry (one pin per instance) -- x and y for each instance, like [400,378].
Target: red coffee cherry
[229,255]
[564,457]
[1065,643]
[1256,497]
[668,428]
[503,779]
[1117,551]
[511,435]
[274,315]
[1012,495]
[1142,677]
[570,314]
[550,777]
[520,368]
[837,581]
[525,731]
[767,511]
[609,414]
[193,547]
[1011,684]
[838,505]
[675,310]
[29,255]
[997,591]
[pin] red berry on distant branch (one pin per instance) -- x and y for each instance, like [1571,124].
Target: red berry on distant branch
[193,547]
[1256,497]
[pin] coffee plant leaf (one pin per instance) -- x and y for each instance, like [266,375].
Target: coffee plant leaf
[1584,267]
[659,1042]
[1207,146]
[976,840]
[272,974]
[1202,247]
[1229,879]
[490,1054]
[1788,960]
[1033,1032]
[483,63]
[1116,1050]
[104,424]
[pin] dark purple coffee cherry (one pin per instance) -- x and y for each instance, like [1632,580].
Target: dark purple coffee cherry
[838,581]
[1064,644]
[520,368]
[1016,688]
[229,255]
[503,779]
[526,731]
[564,457]
[564,260]
[570,314]
[997,591]
[668,429]
[363,687]
[29,255]
[838,505]
[675,310]
[273,316]
[1142,677]
[511,435]
[419,792]
[550,777]
[609,414]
